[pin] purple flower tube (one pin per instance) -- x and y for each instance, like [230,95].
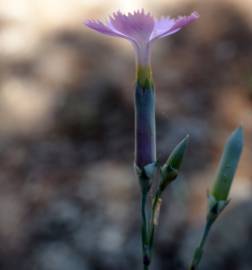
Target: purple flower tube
[145,126]
[141,29]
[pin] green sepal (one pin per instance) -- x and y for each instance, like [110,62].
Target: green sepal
[169,171]
[168,175]
[215,207]
[146,175]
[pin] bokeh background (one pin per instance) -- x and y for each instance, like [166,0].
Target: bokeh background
[69,199]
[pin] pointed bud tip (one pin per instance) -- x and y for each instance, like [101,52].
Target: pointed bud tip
[186,139]
[181,146]
[237,138]
[177,154]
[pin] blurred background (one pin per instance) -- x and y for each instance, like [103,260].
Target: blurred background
[68,195]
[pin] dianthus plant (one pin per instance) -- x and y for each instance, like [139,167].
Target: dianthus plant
[141,29]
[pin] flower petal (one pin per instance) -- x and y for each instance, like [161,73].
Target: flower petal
[102,28]
[137,26]
[167,26]
[161,26]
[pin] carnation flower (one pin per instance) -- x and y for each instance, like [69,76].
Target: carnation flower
[141,29]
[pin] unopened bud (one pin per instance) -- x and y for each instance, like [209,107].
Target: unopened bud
[171,167]
[228,165]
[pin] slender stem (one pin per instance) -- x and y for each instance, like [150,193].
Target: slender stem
[144,218]
[154,216]
[145,230]
[146,267]
[205,234]
[199,250]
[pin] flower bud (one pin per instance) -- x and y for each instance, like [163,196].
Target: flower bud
[171,167]
[228,165]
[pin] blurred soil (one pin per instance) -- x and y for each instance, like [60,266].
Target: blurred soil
[68,195]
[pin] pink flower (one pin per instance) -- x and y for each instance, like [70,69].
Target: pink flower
[141,29]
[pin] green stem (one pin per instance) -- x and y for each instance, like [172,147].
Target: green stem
[145,230]
[154,216]
[199,250]
[146,267]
